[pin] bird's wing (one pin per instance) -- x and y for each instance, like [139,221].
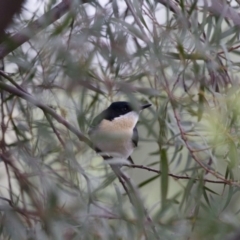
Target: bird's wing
[135,137]
[134,141]
[96,121]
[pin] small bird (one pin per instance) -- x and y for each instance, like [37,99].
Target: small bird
[114,132]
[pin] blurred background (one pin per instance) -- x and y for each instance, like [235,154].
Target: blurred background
[63,62]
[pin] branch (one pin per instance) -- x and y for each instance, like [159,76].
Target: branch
[24,212]
[191,151]
[33,28]
[54,129]
[47,110]
[137,20]
[171,5]
[7,10]
[134,197]
[173,175]
[83,138]
[2,73]
[187,145]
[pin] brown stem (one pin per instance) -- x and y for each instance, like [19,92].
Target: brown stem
[173,175]
[33,28]
[45,108]
[7,10]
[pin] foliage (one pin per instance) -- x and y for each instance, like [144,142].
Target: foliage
[66,66]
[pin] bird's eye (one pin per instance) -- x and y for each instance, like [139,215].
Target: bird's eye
[124,109]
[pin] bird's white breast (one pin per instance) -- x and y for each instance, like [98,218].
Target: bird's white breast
[115,137]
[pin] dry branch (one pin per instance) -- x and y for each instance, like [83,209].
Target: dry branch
[33,28]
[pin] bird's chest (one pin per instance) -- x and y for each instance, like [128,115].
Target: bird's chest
[114,138]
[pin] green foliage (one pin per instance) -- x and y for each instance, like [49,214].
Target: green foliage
[179,55]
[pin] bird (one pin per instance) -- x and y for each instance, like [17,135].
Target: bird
[114,132]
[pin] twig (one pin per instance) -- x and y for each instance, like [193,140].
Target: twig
[46,109]
[7,11]
[136,18]
[171,5]
[83,138]
[139,201]
[191,151]
[3,142]
[24,186]
[173,175]
[50,111]
[230,49]
[33,28]
[3,74]
[24,212]
[104,216]
[54,129]
[121,176]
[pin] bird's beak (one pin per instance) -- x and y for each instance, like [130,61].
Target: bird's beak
[145,106]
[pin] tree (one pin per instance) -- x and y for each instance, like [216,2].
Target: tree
[64,67]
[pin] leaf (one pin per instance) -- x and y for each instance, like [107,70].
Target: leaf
[206,197]
[131,29]
[192,8]
[228,32]
[229,174]
[187,194]
[164,176]
[200,101]
[109,179]
[229,197]
[182,5]
[115,8]
[148,181]
[232,155]
[210,190]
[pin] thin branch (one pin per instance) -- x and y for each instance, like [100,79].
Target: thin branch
[104,216]
[171,5]
[83,138]
[3,74]
[24,184]
[173,175]
[26,213]
[33,28]
[230,49]
[54,129]
[7,11]
[137,199]
[191,151]
[46,109]
[136,18]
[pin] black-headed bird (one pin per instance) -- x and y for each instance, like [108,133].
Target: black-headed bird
[114,132]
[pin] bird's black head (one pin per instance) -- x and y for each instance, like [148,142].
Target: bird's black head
[117,109]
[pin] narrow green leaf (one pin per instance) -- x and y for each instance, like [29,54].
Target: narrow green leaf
[192,8]
[131,29]
[182,5]
[210,190]
[233,155]
[187,192]
[206,197]
[200,101]
[228,32]
[148,181]
[229,198]
[164,176]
